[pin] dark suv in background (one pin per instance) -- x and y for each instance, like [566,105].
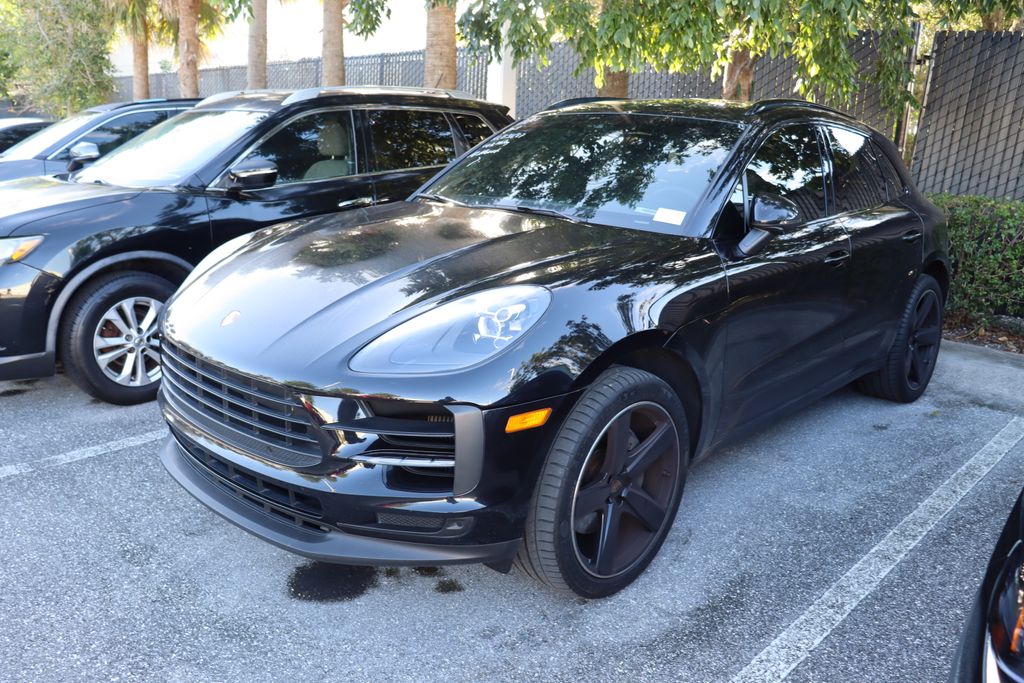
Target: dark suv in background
[85,137]
[87,262]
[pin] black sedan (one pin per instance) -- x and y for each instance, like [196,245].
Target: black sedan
[85,137]
[87,262]
[521,362]
[16,128]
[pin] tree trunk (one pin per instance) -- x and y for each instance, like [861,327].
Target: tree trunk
[439,61]
[140,62]
[188,48]
[616,84]
[256,70]
[739,75]
[333,57]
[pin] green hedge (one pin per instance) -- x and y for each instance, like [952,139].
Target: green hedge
[987,245]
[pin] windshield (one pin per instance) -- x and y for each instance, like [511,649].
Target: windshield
[34,145]
[170,152]
[625,170]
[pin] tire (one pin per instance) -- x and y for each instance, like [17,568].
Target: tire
[562,544]
[96,313]
[910,362]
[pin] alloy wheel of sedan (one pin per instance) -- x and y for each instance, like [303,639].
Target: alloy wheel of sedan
[126,344]
[625,489]
[923,341]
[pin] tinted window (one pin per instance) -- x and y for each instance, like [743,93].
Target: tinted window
[15,134]
[313,147]
[117,131]
[474,129]
[632,171]
[410,139]
[893,182]
[36,144]
[789,164]
[856,177]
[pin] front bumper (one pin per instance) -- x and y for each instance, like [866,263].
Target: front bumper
[25,295]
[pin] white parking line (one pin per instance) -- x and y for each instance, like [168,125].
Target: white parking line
[7,471]
[797,641]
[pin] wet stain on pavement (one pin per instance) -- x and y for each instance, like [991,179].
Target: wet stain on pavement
[427,571]
[323,582]
[12,392]
[448,586]
[880,427]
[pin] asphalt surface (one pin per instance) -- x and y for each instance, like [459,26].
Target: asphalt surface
[781,562]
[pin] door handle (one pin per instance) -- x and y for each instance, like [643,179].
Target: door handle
[352,203]
[911,235]
[837,257]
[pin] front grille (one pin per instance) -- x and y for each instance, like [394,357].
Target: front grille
[410,521]
[259,418]
[270,496]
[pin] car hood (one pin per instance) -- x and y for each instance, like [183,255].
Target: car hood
[303,296]
[11,169]
[29,199]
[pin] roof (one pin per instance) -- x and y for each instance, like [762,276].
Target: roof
[724,110]
[272,100]
[110,106]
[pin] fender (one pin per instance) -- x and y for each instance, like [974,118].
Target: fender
[82,276]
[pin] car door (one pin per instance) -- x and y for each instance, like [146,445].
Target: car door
[408,146]
[319,171]
[788,301]
[108,135]
[885,235]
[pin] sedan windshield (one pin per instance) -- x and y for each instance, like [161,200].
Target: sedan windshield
[625,170]
[169,153]
[34,145]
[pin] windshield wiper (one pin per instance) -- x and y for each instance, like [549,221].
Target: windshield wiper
[520,208]
[439,198]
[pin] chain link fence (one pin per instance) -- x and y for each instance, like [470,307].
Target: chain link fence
[393,68]
[971,133]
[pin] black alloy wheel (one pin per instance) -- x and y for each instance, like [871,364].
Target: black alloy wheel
[610,487]
[908,366]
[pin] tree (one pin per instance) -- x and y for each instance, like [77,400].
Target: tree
[333,55]
[440,57]
[133,16]
[61,52]
[256,69]
[188,47]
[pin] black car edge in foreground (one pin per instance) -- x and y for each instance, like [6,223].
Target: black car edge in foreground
[87,262]
[992,641]
[521,362]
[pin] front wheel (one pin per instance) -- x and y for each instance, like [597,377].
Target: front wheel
[610,487]
[109,340]
[909,365]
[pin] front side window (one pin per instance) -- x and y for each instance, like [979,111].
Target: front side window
[111,134]
[474,128]
[315,147]
[626,170]
[36,144]
[788,164]
[855,174]
[406,138]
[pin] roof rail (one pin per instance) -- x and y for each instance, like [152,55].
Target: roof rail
[762,106]
[312,93]
[573,101]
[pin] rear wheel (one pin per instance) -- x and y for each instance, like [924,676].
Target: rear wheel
[610,487]
[911,360]
[109,339]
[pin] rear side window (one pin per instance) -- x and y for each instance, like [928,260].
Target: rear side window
[112,134]
[893,182]
[789,164]
[405,138]
[474,128]
[856,176]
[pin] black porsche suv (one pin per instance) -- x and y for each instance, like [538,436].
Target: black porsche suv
[87,262]
[521,362]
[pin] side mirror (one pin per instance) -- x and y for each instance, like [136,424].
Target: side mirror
[253,174]
[774,214]
[81,154]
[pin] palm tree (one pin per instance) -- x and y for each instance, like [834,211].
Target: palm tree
[188,47]
[134,19]
[256,70]
[333,55]
[439,63]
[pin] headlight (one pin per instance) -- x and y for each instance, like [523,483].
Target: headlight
[457,334]
[16,248]
[215,257]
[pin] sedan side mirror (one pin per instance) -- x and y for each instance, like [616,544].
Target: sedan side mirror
[253,174]
[774,213]
[81,154]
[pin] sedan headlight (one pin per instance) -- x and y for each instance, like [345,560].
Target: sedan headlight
[16,248]
[455,335]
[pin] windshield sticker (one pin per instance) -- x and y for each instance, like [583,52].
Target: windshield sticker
[670,216]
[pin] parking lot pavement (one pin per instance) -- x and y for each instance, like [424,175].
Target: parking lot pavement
[787,539]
